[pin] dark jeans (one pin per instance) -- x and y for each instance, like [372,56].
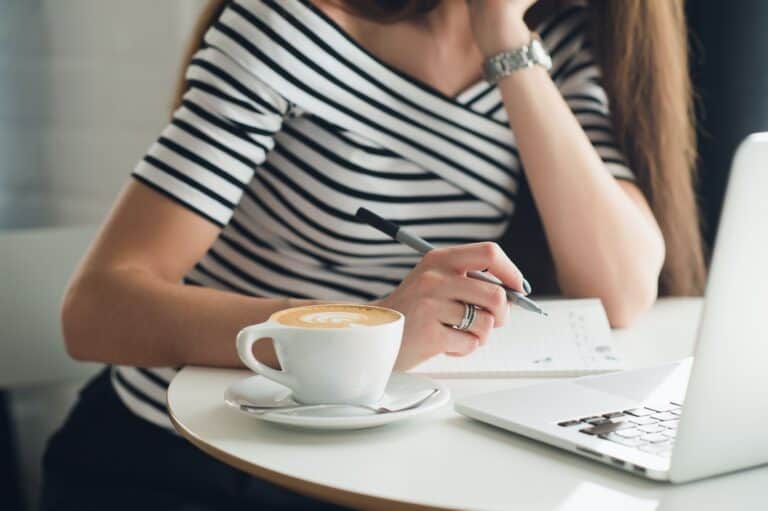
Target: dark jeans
[105,457]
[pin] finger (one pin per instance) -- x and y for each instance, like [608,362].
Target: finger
[456,342]
[477,256]
[491,297]
[452,312]
[482,325]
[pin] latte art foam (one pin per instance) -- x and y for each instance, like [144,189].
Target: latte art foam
[336,316]
[337,319]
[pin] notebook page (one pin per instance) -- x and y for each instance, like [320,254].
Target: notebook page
[574,340]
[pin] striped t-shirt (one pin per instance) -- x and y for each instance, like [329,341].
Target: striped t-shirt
[289,126]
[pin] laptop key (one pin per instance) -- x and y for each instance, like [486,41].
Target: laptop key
[669,433]
[606,427]
[661,407]
[598,421]
[568,424]
[629,433]
[651,428]
[640,412]
[670,424]
[591,418]
[642,421]
[665,416]
[655,438]
[613,415]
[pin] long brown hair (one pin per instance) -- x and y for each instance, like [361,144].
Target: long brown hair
[642,48]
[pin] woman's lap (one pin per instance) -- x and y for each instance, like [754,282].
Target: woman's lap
[107,458]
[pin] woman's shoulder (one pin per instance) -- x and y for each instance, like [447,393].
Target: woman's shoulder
[353,25]
[286,23]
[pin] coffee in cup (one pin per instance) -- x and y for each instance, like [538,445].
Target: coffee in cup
[329,353]
[335,316]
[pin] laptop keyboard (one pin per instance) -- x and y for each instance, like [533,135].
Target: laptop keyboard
[650,428]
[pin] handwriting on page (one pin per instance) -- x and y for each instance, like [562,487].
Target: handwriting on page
[575,339]
[591,355]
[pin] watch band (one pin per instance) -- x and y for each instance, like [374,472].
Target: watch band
[507,62]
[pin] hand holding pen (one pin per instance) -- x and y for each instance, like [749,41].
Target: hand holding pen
[451,308]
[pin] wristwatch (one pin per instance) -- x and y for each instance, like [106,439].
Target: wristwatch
[507,62]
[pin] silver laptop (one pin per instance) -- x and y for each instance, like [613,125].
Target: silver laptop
[644,421]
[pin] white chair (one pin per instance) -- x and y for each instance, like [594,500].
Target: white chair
[35,266]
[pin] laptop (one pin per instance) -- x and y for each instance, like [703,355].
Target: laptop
[677,422]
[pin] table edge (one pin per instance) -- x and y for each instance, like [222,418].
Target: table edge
[346,498]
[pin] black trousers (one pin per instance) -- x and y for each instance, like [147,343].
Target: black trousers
[105,457]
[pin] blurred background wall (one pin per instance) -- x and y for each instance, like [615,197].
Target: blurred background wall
[729,64]
[85,87]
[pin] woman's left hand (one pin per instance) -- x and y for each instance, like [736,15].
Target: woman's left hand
[498,25]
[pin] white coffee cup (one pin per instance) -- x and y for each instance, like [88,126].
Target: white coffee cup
[328,354]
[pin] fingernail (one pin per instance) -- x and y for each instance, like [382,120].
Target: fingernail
[526,287]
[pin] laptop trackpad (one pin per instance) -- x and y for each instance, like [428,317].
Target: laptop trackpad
[578,397]
[659,384]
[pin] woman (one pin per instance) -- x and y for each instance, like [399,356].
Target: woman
[292,115]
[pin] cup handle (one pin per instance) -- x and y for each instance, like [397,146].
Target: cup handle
[245,339]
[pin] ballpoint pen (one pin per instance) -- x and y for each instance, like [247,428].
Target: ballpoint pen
[422,246]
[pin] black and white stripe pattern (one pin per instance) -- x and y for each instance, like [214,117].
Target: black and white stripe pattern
[289,126]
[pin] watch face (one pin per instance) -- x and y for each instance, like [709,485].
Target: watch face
[540,55]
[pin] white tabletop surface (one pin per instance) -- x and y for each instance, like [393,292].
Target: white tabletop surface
[445,460]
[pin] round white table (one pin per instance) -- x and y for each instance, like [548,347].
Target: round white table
[444,460]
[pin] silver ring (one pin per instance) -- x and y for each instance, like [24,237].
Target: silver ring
[470,312]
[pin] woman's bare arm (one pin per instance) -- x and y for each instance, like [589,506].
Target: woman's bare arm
[603,236]
[604,239]
[126,303]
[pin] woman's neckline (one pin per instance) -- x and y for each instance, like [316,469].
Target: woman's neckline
[408,77]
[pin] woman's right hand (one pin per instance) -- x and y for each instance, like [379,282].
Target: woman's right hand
[433,294]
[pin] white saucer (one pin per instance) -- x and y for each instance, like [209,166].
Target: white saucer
[258,390]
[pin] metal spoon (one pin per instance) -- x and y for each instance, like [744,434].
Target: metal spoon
[396,406]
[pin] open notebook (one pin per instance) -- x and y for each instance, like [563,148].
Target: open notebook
[574,340]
